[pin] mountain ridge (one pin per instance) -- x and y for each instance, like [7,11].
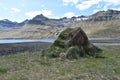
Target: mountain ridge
[40,26]
[43,20]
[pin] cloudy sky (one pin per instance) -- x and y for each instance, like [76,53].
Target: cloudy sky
[19,10]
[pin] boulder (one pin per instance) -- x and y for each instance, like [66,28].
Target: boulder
[72,43]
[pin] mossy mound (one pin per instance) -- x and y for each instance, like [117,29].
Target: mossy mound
[72,44]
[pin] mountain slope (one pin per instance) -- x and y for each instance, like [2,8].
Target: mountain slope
[101,29]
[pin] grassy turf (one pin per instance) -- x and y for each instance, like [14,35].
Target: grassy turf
[32,67]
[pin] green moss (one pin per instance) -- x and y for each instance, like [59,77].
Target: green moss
[117,70]
[53,51]
[63,38]
[3,70]
[74,52]
[59,43]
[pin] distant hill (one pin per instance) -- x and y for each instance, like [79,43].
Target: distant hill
[42,20]
[7,23]
[100,24]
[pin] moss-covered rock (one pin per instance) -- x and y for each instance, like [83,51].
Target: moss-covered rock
[72,44]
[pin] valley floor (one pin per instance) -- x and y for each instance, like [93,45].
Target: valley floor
[27,66]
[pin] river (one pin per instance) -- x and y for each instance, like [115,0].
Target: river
[25,40]
[97,41]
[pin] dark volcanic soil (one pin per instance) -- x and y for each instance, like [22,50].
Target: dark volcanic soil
[13,48]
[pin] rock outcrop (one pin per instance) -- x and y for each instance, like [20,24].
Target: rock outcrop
[105,15]
[72,44]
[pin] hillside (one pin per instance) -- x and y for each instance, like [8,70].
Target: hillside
[101,29]
[100,24]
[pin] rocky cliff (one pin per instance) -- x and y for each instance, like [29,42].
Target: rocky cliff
[105,15]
